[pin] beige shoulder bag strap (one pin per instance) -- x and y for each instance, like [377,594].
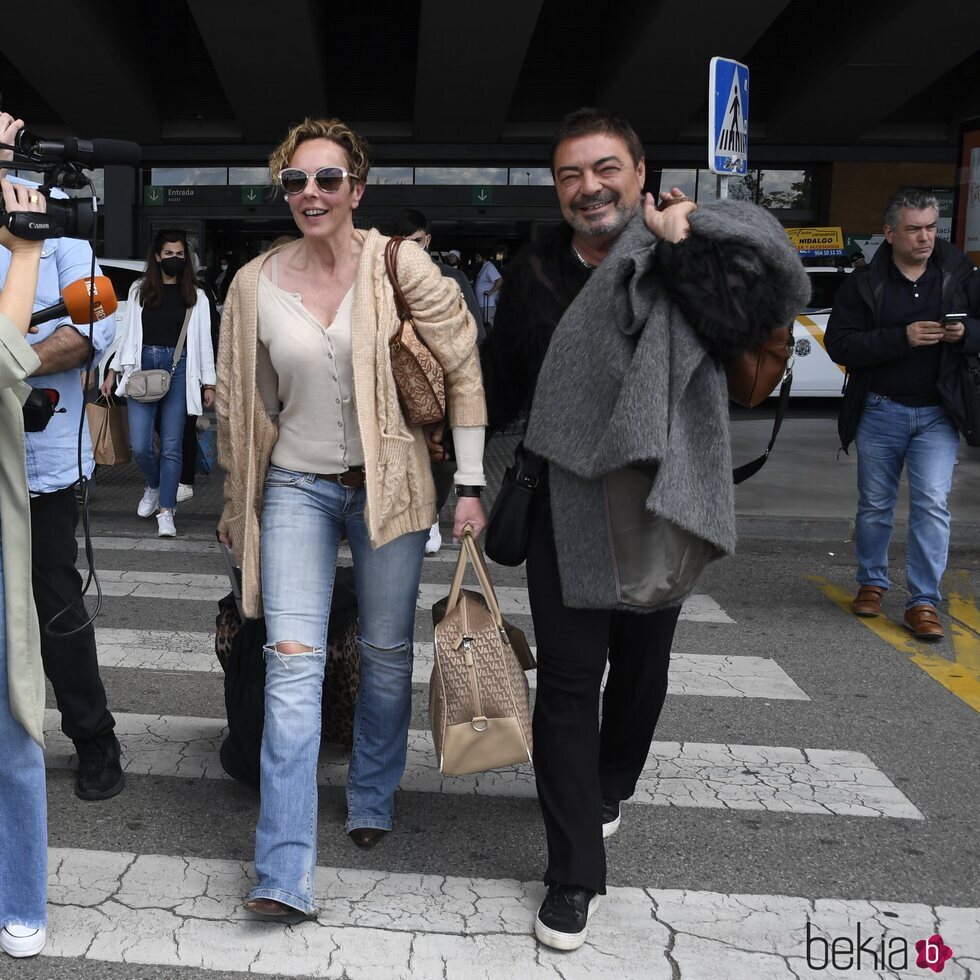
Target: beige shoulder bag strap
[179,349]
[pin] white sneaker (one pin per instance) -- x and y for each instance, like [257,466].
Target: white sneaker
[435,540]
[165,524]
[149,503]
[184,491]
[22,940]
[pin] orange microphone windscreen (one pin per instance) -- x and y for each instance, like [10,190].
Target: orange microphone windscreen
[78,294]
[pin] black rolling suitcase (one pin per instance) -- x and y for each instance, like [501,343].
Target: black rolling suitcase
[239,646]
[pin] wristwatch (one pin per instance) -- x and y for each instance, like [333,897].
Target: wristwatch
[468,491]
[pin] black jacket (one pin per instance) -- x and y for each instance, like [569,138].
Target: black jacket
[855,340]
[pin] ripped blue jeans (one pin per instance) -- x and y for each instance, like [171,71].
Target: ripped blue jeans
[303,521]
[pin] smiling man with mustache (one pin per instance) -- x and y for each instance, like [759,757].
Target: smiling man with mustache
[612,330]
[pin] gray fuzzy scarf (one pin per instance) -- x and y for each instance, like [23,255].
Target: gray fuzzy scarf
[626,382]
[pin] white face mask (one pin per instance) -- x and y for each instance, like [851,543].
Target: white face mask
[224,265]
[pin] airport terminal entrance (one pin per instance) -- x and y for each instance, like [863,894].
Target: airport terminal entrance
[239,238]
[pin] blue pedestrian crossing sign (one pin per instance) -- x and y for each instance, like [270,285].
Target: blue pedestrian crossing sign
[728,117]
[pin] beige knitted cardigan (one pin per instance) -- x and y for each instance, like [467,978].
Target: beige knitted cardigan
[400,493]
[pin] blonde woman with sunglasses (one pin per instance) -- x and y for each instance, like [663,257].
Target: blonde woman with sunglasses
[316,449]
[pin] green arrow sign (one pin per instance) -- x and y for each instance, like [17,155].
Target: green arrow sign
[483,195]
[154,195]
[252,194]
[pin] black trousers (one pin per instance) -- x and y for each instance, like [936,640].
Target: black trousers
[188,459]
[70,662]
[577,763]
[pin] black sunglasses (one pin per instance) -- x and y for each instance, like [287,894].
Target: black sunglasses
[328,179]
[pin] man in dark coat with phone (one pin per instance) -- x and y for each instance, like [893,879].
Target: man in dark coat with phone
[901,326]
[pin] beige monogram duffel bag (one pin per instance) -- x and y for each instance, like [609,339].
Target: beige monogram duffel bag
[478,694]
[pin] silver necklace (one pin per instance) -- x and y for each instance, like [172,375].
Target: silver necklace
[582,262]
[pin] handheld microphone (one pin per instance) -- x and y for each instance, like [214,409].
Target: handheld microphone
[76,302]
[87,153]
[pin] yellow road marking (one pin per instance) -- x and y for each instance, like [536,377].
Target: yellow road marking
[958,677]
[966,620]
[817,333]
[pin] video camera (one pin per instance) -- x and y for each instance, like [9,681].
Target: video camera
[62,161]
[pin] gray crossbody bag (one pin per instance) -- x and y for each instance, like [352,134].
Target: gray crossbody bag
[152,385]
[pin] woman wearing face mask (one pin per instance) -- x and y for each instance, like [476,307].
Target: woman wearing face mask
[158,306]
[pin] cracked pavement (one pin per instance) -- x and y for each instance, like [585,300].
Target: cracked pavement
[129,908]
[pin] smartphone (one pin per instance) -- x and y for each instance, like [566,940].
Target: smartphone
[949,318]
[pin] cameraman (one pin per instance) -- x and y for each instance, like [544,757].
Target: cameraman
[70,662]
[23,807]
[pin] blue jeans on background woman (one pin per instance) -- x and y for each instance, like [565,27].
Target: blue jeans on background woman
[303,521]
[23,810]
[161,473]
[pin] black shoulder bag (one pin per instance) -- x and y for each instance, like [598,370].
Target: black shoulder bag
[509,524]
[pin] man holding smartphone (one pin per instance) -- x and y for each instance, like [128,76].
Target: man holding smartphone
[900,326]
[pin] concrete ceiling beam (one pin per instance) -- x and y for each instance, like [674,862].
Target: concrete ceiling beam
[470,57]
[661,79]
[84,65]
[902,55]
[267,62]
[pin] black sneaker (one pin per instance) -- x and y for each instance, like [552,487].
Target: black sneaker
[563,919]
[610,817]
[99,773]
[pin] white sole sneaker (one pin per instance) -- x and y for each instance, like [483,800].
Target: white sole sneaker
[434,543]
[184,492]
[165,526]
[564,940]
[149,503]
[19,941]
[610,828]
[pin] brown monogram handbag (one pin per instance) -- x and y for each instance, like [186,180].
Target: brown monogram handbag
[418,375]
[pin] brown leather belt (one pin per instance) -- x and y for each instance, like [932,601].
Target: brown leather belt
[352,479]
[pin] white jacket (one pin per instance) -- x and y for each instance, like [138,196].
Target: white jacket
[200,355]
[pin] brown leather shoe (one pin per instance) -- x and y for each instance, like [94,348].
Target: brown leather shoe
[923,621]
[868,601]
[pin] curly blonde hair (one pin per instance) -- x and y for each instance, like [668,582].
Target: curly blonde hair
[355,147]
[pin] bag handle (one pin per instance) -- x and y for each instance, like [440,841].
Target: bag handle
[743,472]
[391,266]
[469,551]
[179,349]
[480,565]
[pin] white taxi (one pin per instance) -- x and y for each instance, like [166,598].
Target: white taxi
[815,375]
[122,274]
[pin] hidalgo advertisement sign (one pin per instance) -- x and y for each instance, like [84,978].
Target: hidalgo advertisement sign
[817,243]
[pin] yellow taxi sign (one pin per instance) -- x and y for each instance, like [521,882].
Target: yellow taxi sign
[817,242]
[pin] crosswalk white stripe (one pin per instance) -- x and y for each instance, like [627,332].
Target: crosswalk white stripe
[209,588]
[157,650]
[699,675]
[208,546]
[704,675]
[153,545]
[187,912]
[690,774]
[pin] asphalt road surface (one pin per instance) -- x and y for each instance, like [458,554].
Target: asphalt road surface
[809,807]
